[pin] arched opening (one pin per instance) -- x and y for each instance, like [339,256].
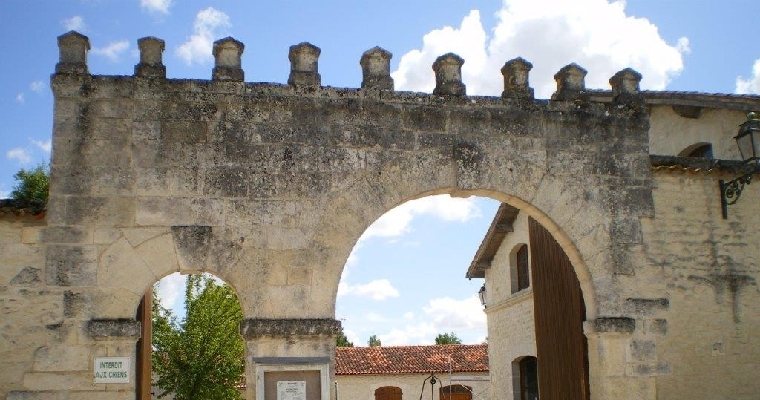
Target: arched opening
[388,393]
[403,283]
[191,346]
[701,150]
[525,378]
[455,392]
[547,245]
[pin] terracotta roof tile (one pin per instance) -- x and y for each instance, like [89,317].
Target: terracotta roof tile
[411,359]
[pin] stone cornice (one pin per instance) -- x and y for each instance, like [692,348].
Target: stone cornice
[254,328]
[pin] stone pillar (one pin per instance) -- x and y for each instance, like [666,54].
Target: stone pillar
[609,340]
[151,58]
[571,84]
[72,48]
[515,72]
[625,86]
[376,69]
[304,65]
[227,64]
[448,75]
[293,349]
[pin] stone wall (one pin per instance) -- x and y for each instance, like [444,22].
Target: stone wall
[269,186]
[694,295]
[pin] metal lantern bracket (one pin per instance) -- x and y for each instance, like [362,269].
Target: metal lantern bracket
[731,190]
[749,148]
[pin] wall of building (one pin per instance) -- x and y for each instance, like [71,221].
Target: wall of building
[362,387]
[670,133]
[29,312]
[695,294]
[510,315]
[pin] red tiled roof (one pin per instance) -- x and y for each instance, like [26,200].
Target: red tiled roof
[411,359]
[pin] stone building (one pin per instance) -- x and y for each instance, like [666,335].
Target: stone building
[688,225]
[269,186]
[406,372]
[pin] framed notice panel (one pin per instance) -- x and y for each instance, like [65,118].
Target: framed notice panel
[111,369]
[292,381]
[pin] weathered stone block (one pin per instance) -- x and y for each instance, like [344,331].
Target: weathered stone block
[259,327]
[29,276]
[614,324]
[113,328]
[70,265]
[179,211]
[642,350]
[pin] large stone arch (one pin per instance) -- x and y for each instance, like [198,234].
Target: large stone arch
[269,186]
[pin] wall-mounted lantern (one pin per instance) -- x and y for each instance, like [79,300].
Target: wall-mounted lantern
[482,295]
[748,140]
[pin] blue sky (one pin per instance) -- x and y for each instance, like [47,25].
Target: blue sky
[404,280]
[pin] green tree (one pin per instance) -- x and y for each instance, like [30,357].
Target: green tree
[202,356]
[448,338]
[374,341]
[342,340]
[31,189]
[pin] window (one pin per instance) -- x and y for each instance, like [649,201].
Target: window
[702,150]
[521,271]
[529,378]
[455,392]
[388,393]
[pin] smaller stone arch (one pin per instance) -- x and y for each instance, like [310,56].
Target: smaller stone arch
[525,378]
[388,393]
[699,149]
[455,391]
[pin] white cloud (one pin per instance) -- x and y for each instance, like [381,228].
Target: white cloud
[422,332]
[596,34]
[171,291]
[440,315]
[396,221]
[752,84]
[20,155]
[449,314]
[379,290]
[207,27]
[75,23]
[4,194]
[156,6]
[37,86]
[45,145]
[113,50]
[20,98]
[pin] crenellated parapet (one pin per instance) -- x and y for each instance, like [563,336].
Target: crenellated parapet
[151,58]
[375,66]
[571,83]
[376,69]
[227,58]
[515,74]
[73,48]
[304,65]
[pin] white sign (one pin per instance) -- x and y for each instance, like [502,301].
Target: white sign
[112,369]
[291,390]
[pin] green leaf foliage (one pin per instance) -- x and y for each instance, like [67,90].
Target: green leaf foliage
[448,338]
[374,341]
[342,340]
[31,189]
[202,356]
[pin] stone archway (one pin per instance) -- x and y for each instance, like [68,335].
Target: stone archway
[270,186]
